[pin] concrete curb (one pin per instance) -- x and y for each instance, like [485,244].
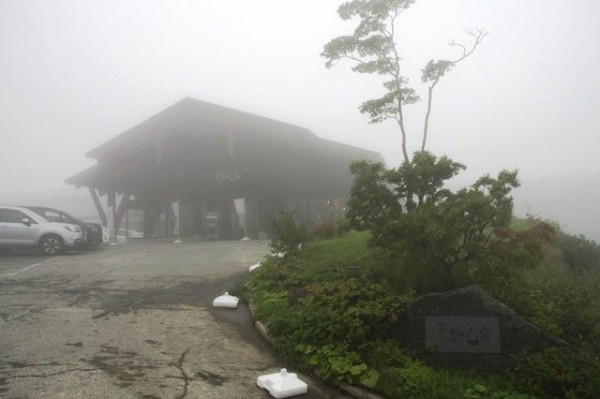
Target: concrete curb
[262,330]
[359,393]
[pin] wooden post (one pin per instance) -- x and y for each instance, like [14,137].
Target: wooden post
[111,202]
[98,206]
[121,210]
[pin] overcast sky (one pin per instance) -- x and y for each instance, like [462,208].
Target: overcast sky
[74,74]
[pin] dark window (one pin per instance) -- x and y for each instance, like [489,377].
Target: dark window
[52,216]
[12,216]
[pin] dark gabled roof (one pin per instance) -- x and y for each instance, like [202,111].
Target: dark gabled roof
[87,177]
[275,156]
[190,114]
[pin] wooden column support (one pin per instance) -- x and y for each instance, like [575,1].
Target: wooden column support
[98,206]
[123,205]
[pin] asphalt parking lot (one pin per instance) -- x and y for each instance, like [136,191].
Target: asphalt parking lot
[132,321]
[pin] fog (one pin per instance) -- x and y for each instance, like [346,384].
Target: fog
[76,73]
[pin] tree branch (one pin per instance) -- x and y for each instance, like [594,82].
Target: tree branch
[478,36]
[397,78]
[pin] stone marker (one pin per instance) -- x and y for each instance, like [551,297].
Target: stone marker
[463,334]
[466,327]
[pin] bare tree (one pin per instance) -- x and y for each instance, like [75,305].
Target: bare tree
[372,48]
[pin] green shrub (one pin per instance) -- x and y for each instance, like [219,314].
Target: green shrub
[359,309]
[326,230]
[560,373]
[481,392]
[439,237]
[578,313]
[580,254]
[562,306]
[331,307]
[325,316]
[288,234]
[332,361]
[414,380]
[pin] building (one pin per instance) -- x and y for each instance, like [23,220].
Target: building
[183,168]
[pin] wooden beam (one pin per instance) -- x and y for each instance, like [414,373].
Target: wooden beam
[98,206]
[111,202]
[121,210]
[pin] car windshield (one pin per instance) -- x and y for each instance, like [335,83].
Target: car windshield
[73,218]
[38,218]
[52,215]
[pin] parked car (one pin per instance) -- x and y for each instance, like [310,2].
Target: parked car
[96,234]
[22,228]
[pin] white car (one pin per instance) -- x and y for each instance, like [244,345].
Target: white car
[95,233]
[23,228]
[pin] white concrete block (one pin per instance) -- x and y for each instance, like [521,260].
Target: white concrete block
[226,301]
[282,384]
[254,267]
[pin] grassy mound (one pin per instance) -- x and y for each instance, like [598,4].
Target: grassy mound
[331,305]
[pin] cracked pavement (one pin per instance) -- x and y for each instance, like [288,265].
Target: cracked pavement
[132,321]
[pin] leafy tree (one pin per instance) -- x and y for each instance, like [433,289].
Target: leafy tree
[373,49]
[288,234]
[580,254]
[444,238]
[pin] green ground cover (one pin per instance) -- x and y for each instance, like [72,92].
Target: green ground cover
[333,302]
[330,307]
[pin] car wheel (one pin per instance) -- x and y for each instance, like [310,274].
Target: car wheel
[52,244]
